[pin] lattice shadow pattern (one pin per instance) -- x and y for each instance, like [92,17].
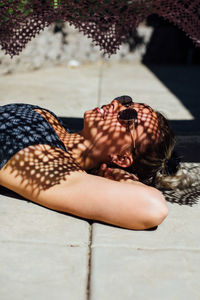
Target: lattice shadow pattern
[41,167]
[101,20]
[188,196]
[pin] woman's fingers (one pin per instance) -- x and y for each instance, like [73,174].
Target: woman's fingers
[103,166]
[104,171]
[109,174]
[115,174]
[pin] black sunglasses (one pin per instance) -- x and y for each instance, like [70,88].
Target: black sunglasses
[129,115]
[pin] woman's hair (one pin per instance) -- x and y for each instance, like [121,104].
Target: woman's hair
[158,164]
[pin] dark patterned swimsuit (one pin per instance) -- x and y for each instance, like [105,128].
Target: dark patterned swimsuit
[21,126]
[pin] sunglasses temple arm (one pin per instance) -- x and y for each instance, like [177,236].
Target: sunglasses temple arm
[132,131]
[134,134]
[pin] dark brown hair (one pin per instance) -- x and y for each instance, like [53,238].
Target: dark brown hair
[157,154]
[159,165]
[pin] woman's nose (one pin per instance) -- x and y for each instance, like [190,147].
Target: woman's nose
[116,104]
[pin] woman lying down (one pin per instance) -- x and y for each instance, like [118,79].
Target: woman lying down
[98,173]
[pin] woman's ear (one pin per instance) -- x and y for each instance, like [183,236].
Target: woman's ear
[122,160]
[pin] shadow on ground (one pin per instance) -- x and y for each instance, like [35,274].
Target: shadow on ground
[184,83]
[173,58]
[187,136]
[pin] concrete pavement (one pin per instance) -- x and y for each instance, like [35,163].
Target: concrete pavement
[49,255]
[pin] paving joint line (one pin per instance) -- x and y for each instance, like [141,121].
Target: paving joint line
[89,262]
[145,248]
[73,245]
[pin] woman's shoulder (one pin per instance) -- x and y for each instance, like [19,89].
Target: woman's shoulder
[17,105]
[21,105]
[22,109]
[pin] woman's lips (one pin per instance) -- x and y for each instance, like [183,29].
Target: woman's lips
[99,110]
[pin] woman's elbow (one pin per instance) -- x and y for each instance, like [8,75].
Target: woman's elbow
[158,216]
[158,210]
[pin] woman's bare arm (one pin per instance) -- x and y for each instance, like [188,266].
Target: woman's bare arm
[129,205]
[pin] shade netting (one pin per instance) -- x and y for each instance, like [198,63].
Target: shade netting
[107,22]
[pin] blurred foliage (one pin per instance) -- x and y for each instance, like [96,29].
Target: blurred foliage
[27,6]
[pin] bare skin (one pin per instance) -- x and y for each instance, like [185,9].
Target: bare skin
[57,180]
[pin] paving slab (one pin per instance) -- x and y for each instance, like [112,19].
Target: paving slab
[46,254]
[127,273]
[151,264]
[178,231]
[65,91]
[71,91]
[142,85]
[24,221]
[42,271]
[43,253]
[163,263]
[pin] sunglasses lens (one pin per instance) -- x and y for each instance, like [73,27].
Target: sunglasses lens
[124,100]
[128,114]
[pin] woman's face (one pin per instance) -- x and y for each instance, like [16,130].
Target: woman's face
[103,127]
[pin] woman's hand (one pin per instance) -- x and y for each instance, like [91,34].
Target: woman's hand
[116,174]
